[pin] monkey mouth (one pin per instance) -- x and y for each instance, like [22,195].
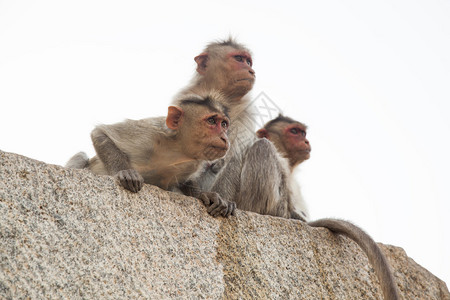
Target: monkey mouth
[250,80]
[220,148]
[215,152]
[308,151]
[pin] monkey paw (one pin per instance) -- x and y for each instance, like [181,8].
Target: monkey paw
[217,206]
[131,180]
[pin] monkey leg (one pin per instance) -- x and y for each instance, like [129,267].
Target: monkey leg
[297,216]
[78,161]
[263,181]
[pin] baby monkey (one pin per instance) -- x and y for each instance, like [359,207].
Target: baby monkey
[167,152]
[289,137]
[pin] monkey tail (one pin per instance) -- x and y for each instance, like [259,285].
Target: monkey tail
[372,250]
[78,161]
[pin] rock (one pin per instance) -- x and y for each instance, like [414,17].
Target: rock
[71,234]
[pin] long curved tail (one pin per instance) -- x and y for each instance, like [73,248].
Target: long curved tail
[373,252]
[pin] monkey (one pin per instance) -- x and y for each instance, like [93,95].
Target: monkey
[166,152]
[289,137]
[240,176]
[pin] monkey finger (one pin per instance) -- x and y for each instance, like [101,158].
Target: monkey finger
[230,209]
[233,208]
[136,181]
[219,211]
[121,175]
[128,185]
[215,209]
[205,199]
[126,178]
[129,182]
[225,212]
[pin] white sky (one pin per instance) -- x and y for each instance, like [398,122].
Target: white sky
[371,79]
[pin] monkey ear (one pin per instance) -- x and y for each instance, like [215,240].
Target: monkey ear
[174,117]
[201,61]
[262,133]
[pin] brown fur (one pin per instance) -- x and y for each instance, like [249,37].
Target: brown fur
[166,152]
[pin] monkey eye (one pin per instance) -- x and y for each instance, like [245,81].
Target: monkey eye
[211,120]
[239,58]
[297,131]
[249,62]
[225,124]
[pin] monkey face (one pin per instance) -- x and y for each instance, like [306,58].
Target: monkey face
[207,136]
[240,72]
[231,73]
[297,146]
[216,141]
[289,137]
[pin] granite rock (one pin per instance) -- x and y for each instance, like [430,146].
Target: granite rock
[69,234]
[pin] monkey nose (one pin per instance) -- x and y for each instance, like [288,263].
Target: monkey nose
[226,142]
[251,71]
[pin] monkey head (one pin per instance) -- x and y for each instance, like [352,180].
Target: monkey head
[201,124]
[227,67]
[289,137]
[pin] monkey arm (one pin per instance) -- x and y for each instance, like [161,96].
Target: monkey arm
[111,156]
[116,162]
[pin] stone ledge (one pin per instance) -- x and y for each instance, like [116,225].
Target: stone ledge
[71,234]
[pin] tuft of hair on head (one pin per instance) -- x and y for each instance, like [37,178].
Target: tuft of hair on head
[283,119]
[230,42]
[212,99]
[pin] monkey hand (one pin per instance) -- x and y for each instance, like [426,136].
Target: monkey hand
[131,180]
[216,205]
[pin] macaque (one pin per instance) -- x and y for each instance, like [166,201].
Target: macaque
[289,137]
[166,152]
[239,176]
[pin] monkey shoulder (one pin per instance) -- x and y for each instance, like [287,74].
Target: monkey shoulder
[265,149]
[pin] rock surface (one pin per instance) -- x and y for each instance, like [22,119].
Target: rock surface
[73,235]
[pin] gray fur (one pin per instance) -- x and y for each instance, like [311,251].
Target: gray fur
[78,161]
[374,253]
[368,245]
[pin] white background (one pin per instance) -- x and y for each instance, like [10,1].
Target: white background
[371,79]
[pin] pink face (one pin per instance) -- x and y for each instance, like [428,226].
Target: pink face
[296,141]
[217,125]
[241,61]
[215,137]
